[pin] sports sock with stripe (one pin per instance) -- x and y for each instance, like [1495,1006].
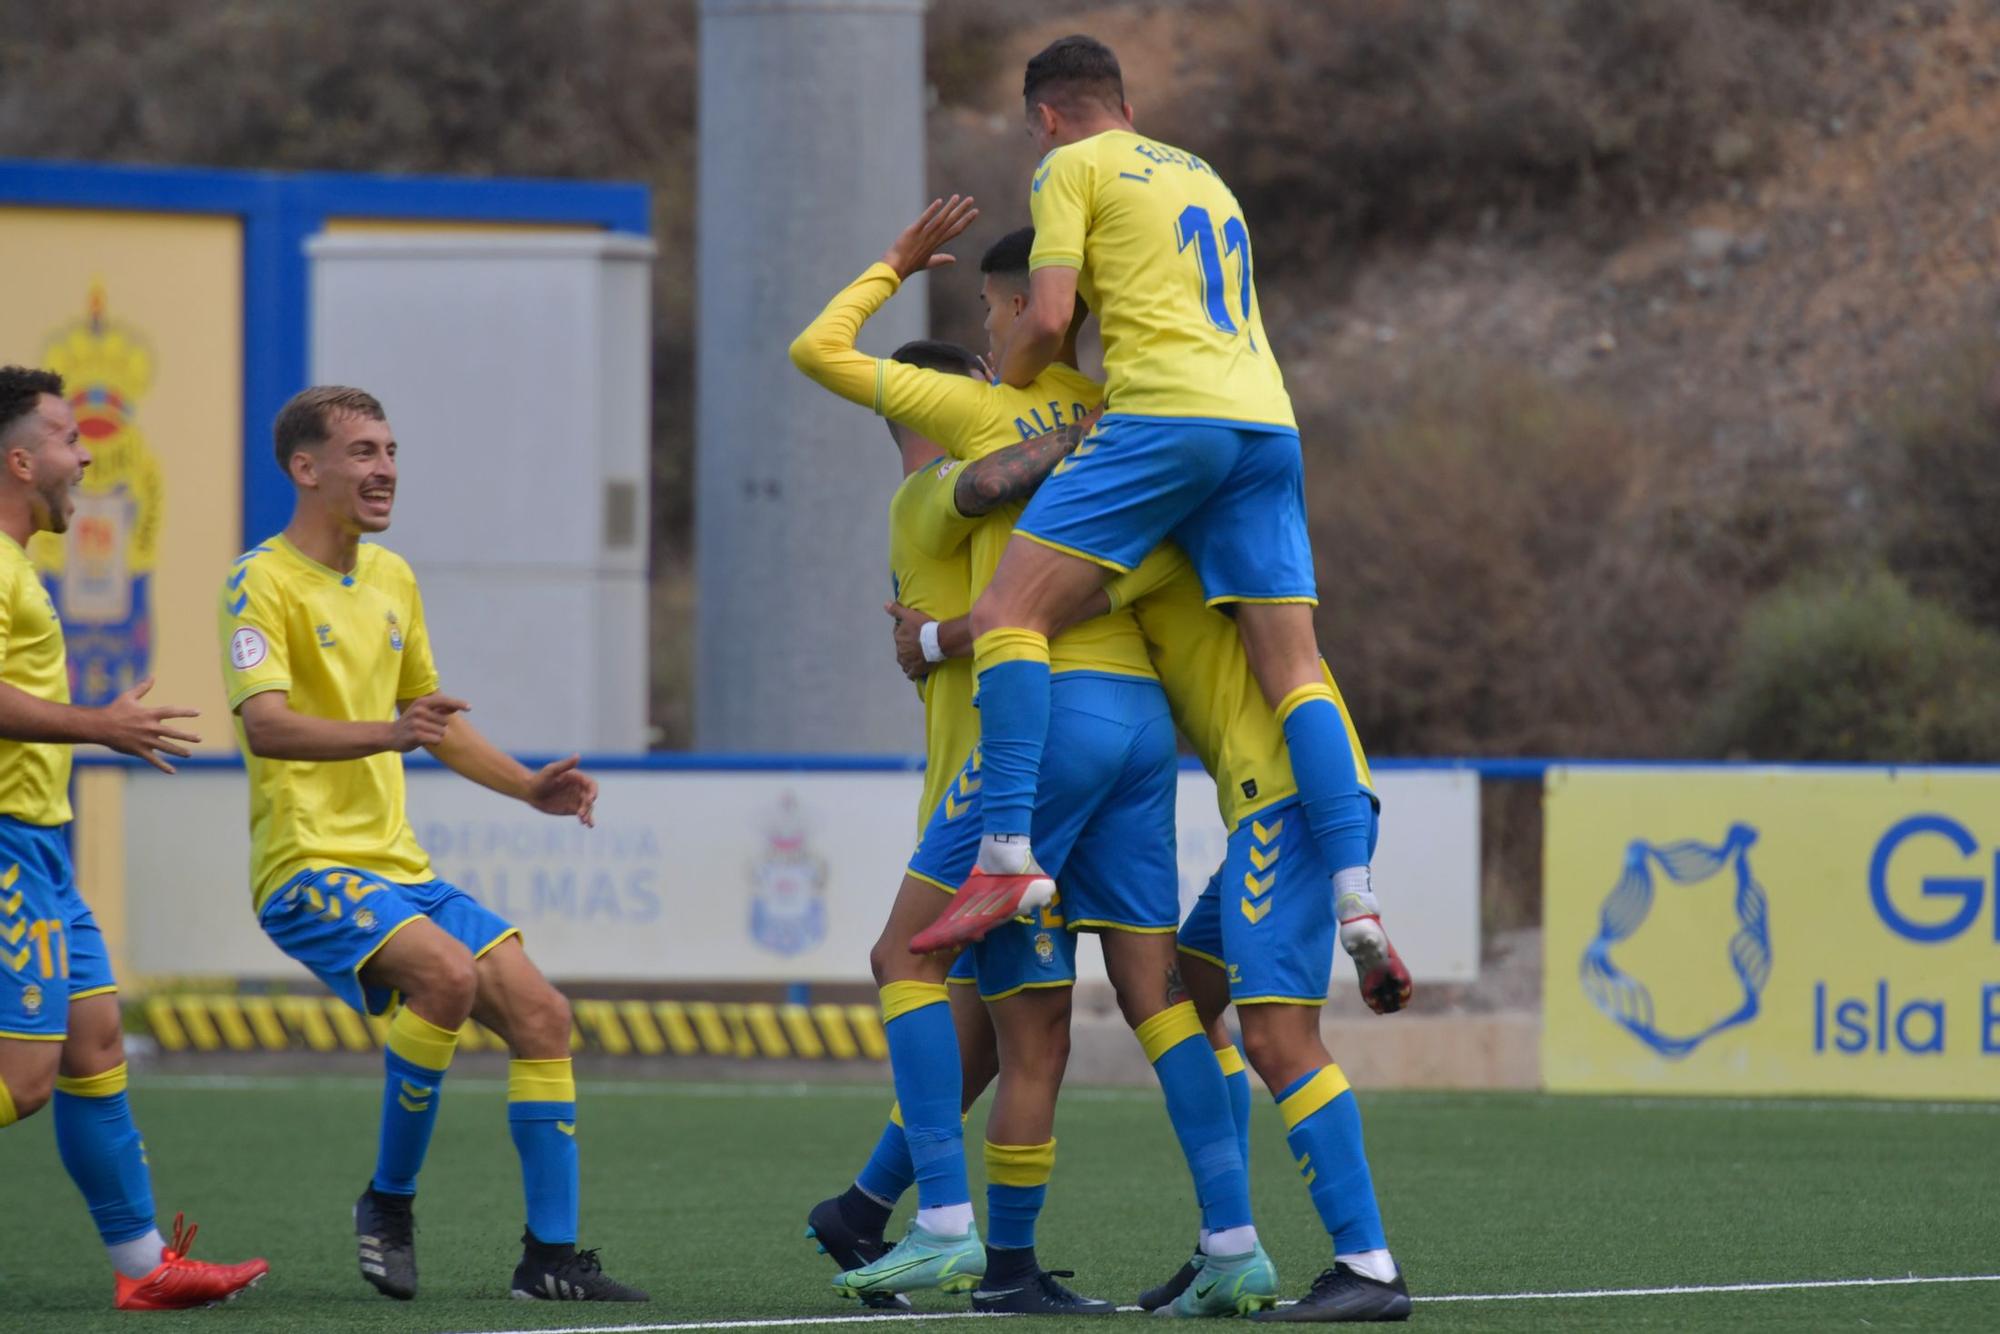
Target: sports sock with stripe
[1237,1076]
[1198,1105]
[101,1149]
[414,1062]
[541,1116]
[1323,1128]
[1336,808]
[923,1058]
[1012,670]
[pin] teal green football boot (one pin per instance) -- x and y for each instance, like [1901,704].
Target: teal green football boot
[920,1260]
[1228,1285]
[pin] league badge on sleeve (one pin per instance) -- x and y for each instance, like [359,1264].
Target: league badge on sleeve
[247,648]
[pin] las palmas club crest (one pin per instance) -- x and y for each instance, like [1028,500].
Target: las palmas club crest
[787,886]
[102,575]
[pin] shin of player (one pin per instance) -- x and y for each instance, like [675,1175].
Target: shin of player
[60,1035]
[327,660]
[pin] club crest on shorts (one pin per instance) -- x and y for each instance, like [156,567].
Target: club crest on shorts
[31,998]
[787,886]
[1045,947]
[1712,987]
[364,919]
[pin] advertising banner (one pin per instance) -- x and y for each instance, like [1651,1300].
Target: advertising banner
[1772,930]
[713,876]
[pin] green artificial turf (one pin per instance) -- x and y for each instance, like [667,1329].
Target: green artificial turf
[699,1192]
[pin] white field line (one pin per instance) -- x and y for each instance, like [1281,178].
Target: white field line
[1586,1294]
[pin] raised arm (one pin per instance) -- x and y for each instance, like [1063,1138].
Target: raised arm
[825,351]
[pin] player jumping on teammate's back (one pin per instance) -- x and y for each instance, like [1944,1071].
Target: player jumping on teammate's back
[327,660]
[61,1039]
[1200,444]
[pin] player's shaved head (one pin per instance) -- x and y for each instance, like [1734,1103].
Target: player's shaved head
[937,354]
[1007,258]
[21,390]
[306,420]
[934,354]
[1073,71]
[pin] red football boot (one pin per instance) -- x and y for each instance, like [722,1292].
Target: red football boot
[179,1283]
[983,902]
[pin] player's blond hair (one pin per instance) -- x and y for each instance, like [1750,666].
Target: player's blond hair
[306,420]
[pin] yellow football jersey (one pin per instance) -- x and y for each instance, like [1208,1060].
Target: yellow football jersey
[346,647]
[1211,689]
[1163,259]
[34,775]
[969,419]
[931,574]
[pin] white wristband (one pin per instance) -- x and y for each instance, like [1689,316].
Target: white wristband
[928,637]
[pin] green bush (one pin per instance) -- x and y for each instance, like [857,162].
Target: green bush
[1858,670]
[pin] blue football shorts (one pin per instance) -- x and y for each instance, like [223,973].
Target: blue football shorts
[335,920]
[1266,918]
[1232,496]
[1104,816]
[51,952]
[1019,956]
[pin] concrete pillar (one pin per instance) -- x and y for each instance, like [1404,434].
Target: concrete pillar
[811,159]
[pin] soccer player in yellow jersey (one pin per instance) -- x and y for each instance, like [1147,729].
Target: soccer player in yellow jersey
[327,661]
[1107,822]
[60,1034]
[936,504]
[1198,442]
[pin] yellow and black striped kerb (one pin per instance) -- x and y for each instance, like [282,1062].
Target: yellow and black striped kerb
[747,1031]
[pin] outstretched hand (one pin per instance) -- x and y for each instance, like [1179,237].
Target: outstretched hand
[917,248]
[563,789]
[130,728]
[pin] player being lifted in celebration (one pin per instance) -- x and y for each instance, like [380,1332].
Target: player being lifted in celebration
[59,1025]
[1198,441]
[1106,815]
[329,671]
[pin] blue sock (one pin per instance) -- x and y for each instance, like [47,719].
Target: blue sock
[1323,1128]
[1017,1182]
[1012,668]
[541,1115]
[1237,1076]
[101,1148]
[1198,1106]
[1322,754]
[889,1172]
[414,1062]
[923,1057]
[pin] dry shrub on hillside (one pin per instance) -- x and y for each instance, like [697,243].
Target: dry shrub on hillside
[1509,568]
[1342,123]
[1934,468]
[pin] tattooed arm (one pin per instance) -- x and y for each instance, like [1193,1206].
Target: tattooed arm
[1013,473]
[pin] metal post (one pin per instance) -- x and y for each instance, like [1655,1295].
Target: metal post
[811,158]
